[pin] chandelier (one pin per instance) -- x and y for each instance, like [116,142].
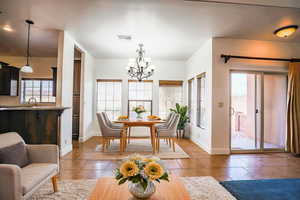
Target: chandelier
[140,68]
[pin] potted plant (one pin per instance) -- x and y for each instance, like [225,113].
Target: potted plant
[141,172]
[183,112]
[139,110]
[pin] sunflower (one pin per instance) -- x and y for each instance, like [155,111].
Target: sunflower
[153,170]
[151,159]
[135,157]
[129,168]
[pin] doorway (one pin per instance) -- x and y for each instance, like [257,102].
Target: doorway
[76,94]
[258,110]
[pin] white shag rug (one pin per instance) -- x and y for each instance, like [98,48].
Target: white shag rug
[199,188]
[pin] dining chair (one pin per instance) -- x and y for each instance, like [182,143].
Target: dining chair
[168,133]
[109,133]
[109,123]
[167,122]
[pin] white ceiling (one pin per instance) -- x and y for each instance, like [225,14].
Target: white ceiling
[170,29]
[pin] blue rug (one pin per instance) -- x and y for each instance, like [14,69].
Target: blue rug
[269,189]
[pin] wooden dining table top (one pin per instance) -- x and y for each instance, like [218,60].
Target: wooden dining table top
[139,122]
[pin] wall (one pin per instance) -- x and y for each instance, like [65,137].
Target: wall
[65,88]
[41,69]
[199,62]
[116,69]
[220,90]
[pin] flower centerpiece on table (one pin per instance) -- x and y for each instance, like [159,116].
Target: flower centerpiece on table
[141,172]
[139,110]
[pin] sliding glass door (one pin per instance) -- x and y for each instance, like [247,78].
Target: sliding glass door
[257,120]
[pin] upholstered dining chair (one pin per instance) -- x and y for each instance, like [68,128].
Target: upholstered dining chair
[168,133]
[24,168]
[109,133]
[109,123]
[167,122]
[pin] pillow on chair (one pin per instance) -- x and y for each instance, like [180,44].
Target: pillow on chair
[15,154]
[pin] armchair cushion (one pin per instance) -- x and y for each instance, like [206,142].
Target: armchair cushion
[15,154]
[35,173]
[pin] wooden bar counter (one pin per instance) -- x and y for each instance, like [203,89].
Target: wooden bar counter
[36,124]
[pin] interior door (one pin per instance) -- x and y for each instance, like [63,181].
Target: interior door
[76,99]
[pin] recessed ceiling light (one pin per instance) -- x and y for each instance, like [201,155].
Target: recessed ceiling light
[286,31]
[124,37]
[7,28]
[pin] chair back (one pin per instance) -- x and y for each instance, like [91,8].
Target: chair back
[170,120]
[10,138]
[174,124]
[102,123]
[106,118]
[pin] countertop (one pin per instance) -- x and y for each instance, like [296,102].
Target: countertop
[7,108]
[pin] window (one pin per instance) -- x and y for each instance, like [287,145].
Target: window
[40,89]
[109,97]
[139,93]
[190,98]
[201,111]
[170,93]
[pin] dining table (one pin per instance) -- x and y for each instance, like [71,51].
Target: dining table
[134,122]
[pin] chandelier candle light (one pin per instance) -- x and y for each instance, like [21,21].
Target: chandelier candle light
[140,68]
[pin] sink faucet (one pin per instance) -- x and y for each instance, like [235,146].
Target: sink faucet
[32,100]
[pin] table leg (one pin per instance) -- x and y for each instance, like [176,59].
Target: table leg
[153,139]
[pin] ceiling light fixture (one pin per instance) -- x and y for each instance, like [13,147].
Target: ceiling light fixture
[27,68]
[286,31]
[7,28]
[140,67]
[124,37]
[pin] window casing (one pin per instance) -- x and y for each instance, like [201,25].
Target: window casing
[201,111]
[40,89]
[190,91]
[170,93]
[109,97]
[140,93]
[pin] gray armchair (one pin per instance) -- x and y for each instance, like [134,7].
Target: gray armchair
[20,183]
[109,133]
[168,133]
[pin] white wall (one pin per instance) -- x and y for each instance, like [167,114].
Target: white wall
[199,62]
[221,95]
[116,69]
[65,86]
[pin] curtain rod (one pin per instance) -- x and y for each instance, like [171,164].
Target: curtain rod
[228,57]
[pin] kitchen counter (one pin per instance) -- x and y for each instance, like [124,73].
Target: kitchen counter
[7,108]
[35,124]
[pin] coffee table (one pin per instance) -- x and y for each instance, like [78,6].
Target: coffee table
[108,189]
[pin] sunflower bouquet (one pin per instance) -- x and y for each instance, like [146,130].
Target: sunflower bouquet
[142,170]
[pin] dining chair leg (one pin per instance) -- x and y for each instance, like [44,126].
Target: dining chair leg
[173,143]
[158,144]
[170,142]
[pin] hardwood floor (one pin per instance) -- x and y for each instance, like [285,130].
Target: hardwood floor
[222,167]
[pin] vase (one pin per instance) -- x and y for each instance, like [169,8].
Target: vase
[139,116]
[138,192]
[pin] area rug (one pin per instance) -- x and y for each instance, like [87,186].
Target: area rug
[275,189]
[199,188]
[140,146]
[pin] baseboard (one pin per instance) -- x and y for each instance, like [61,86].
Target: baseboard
[86,137]
[66,149]
[220,151]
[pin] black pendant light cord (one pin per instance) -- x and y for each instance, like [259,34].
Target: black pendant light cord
[29,22]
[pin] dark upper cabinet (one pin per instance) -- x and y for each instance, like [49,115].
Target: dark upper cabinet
[9,80]
[54,75]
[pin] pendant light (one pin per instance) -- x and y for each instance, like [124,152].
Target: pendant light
[27,68]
